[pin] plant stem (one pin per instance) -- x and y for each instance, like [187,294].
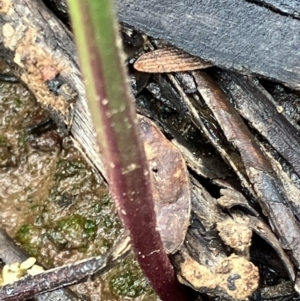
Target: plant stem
[115,122]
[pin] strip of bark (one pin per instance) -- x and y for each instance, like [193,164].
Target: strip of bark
[235,34]
[269,190]
[255,104]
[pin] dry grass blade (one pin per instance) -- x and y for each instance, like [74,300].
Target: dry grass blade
[169,59]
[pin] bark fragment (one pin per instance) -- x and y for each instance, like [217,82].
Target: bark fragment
[238,35]
[256,105]
[269,189]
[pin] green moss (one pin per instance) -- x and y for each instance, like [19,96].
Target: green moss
[38,220]
[126,279]
[18,102]
[90,229]
[24,236]
[108,223]
[3,141]
[128,283]
[73,223]
[32,249]
[46,261]
[105,204]
[106,243]
[66,169]
[22,137]
[97,208]
[102,245]
[106,200]
[73,232]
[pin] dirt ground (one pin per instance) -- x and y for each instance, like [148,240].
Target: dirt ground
[52,203]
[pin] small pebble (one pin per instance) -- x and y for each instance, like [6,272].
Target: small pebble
[279,109]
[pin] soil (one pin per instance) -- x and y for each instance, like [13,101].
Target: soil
[52,203]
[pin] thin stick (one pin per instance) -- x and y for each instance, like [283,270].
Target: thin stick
[64,276]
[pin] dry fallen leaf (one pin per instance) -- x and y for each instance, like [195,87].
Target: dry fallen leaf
[169,59]
[170,185]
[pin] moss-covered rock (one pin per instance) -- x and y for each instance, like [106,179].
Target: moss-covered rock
[73,232]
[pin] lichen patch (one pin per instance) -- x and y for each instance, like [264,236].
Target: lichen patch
[49,72]
[235,233]
[198,275]
[235,275]
[8,33]
[238,276]
[39,67]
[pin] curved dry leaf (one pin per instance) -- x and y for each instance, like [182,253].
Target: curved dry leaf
[170,185]
[231,198]
[264,231]
[169,59]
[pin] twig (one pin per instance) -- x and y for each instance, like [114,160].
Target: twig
[10,253]
[64,276]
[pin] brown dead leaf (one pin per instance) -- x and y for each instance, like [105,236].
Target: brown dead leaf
[169,60]
[170,185]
